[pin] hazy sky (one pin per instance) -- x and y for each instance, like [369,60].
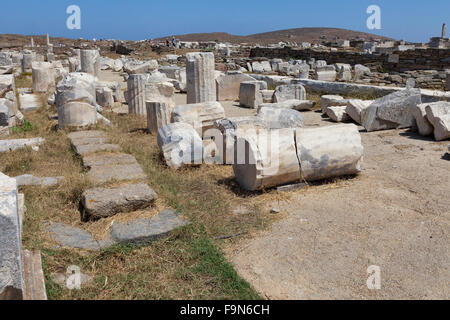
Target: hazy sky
[413,20]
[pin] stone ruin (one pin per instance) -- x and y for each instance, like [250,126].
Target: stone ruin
[273,147]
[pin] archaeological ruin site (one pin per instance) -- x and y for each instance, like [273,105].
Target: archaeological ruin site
[182,169]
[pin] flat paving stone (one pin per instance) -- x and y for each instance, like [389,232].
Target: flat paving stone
[71,237]
[116,172]
[140,231]
[108,159]
[15,144]
[106,202]
[92,148]
[28,102]
[146,230]
[30,180]
[86,134]
[85,141]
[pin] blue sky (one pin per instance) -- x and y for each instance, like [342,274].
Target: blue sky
[413,20]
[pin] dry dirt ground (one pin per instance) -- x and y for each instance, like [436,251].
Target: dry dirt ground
[394,215]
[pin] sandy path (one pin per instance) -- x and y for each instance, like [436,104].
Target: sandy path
[394,215]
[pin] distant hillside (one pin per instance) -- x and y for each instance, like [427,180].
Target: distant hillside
[312,35]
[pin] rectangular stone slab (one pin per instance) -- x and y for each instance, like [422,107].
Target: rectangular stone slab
[85,141]
[34,283]
[92,148]
[116,172]
[108,159]
[86,134]
[11,276]
[106,202]
[145,230]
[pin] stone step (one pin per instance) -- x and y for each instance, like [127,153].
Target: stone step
[106,202]
[146,230]
[102,174]
[85,141]
[71,237]
[140,231]
[93,148]
[108,159]
[86,134]
[33,276]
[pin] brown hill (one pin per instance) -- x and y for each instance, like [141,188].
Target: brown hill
[313,35]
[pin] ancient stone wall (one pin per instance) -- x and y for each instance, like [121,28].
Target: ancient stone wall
[420,59]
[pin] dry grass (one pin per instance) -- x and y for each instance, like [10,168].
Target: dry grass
[24,80]
[187,265]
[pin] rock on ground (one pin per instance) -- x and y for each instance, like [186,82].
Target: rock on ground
[103,202]
[338,113]
[424,126]
[143,231]
[299,105]
[392,111]
[439,115]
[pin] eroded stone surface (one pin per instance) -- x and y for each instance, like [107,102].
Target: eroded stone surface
[116,172]
[140,231]
[86,134]
[337,113]
[30,180]
[68,236]
[103,202]
[14,144]
[392,111]
[11,279]
[92,148]
[108,159]
[146,230]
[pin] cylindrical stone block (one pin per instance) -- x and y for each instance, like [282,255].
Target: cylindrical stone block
[27,61]
[90,62]
[330,151]
[136,94]
[43,77]
[158,115]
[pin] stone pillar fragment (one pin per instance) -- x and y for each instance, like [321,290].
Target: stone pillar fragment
[200,116]
[265,158]
[43,76]
[159,114]
[27,61]
[180,145]
[250,95]
[74,64]
[11,277]
[330,151]
[105,97]
[90,62]
[75,99]
[136,93]
[201,86]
